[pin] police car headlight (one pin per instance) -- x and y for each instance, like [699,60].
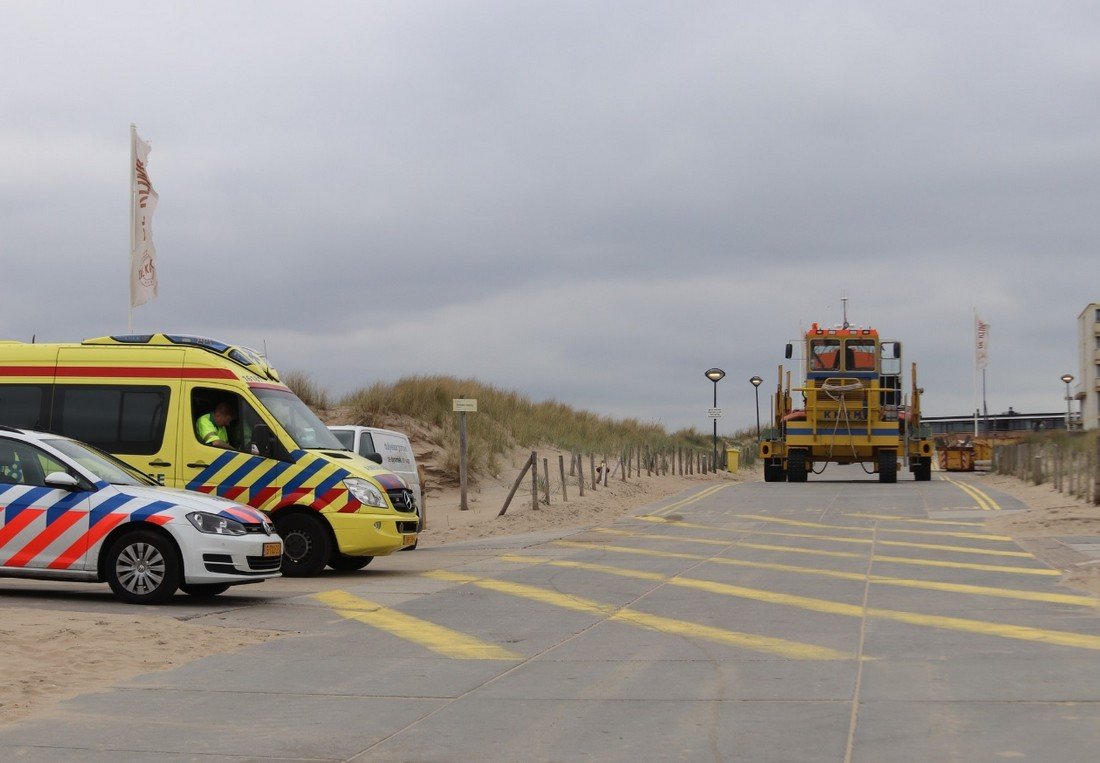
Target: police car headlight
[214,525]
[364,492]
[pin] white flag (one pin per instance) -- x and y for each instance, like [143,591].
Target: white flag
[981,334]
[143,202]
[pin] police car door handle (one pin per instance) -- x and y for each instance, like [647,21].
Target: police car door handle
[198,465]
[159,462]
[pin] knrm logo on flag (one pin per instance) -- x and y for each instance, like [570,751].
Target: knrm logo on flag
[981,334]
[143,202]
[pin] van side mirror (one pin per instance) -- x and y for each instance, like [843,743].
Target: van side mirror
[62,481]
[790,351]
[264,443]
[375,457]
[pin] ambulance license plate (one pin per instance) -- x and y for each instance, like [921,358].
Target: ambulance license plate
[408,540]
[273,549]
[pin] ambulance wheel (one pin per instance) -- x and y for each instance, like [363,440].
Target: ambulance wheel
[344,563]
[204,590]
[306,545]
[143,567]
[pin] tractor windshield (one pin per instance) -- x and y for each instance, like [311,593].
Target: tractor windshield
[824,354]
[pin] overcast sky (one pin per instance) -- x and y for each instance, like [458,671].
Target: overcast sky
[587,201]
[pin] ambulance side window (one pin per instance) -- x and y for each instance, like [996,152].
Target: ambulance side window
[245,418]
[25,406]
[115,418]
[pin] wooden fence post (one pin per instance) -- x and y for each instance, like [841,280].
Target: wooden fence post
[515,487]
[580,474]
[561,468]
[546,474]
[534,480]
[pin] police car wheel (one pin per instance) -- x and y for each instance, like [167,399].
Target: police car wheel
[345,563]
[306,545]
[202,590]
[143,567]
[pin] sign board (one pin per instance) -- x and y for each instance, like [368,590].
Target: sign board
[464,405]
[714,413]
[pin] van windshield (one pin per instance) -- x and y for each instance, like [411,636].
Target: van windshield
[105,467]
[298,420]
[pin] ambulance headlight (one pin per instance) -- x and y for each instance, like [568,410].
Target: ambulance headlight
[215,525]
[364,492]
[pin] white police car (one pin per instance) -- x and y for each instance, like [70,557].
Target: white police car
[71,512]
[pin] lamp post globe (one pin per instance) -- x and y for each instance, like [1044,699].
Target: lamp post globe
[1067,378]
[715,375]
[756,381]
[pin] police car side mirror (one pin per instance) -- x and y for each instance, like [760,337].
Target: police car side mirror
[62,481]
[375,457]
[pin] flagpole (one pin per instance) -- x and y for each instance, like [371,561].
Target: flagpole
[133,196]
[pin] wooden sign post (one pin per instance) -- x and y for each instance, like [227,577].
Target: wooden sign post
[462,406]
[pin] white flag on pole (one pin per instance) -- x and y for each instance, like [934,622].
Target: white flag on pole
[143,202]
[981,336]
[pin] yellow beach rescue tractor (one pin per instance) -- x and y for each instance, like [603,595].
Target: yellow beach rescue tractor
[853,410]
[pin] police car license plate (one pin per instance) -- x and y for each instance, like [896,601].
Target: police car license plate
[273,549]
[408,540]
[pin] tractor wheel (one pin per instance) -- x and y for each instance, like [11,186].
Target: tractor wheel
[887,466]
[922,470]
[796,466]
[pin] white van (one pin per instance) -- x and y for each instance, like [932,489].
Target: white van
[394,448]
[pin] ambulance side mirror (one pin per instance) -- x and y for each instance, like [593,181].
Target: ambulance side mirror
[266,444]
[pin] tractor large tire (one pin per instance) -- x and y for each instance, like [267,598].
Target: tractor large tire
[773,471]
[796,466]
[922,470]
[887,466]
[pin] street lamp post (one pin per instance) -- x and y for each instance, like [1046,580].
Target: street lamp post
[715,375]
[1067,378]
[756,381]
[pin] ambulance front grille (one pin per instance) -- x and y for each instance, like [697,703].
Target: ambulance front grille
[402,499]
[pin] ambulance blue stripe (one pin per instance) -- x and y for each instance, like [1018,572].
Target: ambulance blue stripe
[266,479]
[64,505]
[250,464]
[331,482]
[150,509]
[299,479]
[210,471]
[15,508]
[107,507]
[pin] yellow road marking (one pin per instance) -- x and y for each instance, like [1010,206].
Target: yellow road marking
[842,554]
[839,539]
[984,501]
[930,585]
[782,647]
[436,638]
[916,521]
[691,499]
[941,533]
[980,627]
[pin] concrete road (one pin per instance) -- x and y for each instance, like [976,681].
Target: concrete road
[836,620]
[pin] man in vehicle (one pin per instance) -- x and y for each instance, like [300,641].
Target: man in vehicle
[211,428]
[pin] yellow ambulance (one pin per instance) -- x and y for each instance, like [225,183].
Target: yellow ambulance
[140,398]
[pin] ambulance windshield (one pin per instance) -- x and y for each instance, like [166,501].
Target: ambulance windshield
[297,419]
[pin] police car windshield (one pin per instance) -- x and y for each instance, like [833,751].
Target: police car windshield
[105,467]
[298,420]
